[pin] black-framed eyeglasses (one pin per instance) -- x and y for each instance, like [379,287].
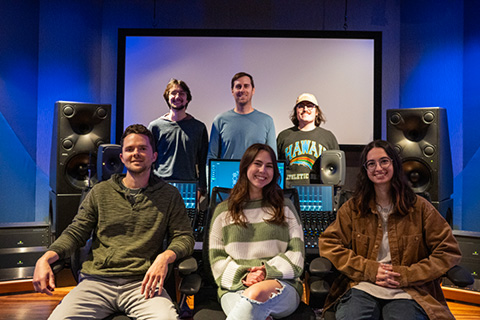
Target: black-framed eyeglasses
[384,163]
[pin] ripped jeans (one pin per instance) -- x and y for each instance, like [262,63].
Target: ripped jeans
[238,307]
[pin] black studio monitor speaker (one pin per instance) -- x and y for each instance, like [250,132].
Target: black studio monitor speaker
[79,129]
[333,167]
[420,136]
[108,161]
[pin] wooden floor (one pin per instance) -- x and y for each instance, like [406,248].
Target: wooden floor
[34,306]
[30,306]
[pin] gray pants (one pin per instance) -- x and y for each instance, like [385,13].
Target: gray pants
[97,298]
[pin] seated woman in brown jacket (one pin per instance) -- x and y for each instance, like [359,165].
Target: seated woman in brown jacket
[390,246]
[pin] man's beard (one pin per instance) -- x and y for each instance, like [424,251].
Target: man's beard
[177,108]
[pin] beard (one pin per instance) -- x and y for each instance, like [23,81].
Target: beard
[138,171]
[178,108]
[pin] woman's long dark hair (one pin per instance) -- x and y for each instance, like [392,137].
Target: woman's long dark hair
[403,197]
[272,193]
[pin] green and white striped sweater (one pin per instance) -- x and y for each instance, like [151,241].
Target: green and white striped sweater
[234,249]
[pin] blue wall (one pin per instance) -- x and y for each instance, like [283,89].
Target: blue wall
[69,52]
[18,109]
[432,69]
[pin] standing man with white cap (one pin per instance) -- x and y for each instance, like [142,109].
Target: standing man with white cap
[303,144]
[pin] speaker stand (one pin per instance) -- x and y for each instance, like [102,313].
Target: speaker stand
[62,210]
[445,207]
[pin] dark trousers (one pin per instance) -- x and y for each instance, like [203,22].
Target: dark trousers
[357,304]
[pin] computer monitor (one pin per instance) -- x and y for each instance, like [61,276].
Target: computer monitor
[315,197]
[188,191]
[224,173]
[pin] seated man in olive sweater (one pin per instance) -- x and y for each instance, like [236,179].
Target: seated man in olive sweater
[130,216]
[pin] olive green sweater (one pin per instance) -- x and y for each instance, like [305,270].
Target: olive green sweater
[128,236]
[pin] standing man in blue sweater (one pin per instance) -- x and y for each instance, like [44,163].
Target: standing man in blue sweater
[235,130]
[130,216]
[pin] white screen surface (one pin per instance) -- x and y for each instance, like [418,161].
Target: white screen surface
[339,72]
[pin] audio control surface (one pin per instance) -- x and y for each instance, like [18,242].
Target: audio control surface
[314,224]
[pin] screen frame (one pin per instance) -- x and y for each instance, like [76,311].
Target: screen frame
[376,36]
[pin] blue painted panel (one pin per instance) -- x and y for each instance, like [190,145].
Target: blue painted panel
[17,178]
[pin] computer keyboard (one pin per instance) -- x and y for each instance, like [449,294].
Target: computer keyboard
[314,224]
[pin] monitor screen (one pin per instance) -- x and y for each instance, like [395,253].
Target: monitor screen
[342,69]
[188,191]
[315,197]
[224,173]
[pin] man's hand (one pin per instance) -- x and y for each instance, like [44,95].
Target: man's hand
[156,273]
[386,276]
[256,275]
[43,278]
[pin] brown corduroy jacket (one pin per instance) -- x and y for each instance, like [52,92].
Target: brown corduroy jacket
[422,249]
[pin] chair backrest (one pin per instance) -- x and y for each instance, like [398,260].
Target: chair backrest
[218,195]
[292,194]
[81,254]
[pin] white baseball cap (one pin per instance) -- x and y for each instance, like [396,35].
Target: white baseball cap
[307,97]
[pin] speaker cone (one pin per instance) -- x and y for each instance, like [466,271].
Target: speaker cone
[77,170]
[418,174]
[330,169]
[114,165]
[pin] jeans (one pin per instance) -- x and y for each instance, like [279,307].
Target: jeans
[357,304]
[238,307]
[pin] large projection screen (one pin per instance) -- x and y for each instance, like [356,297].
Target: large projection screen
[342,69]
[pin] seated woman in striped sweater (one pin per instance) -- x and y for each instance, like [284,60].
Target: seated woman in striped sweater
[256,247]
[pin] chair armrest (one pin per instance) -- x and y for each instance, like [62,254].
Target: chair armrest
[190,284]
[187,266]
[319,289]
[58,266]
[321,267]
[321,271]
[460,276]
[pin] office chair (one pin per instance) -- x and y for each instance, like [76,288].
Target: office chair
[207,306]
[323,273]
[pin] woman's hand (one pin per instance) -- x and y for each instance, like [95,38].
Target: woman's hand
[255,275]
[386,276]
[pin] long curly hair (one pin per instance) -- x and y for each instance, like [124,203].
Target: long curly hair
[403,197]
[272,194]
